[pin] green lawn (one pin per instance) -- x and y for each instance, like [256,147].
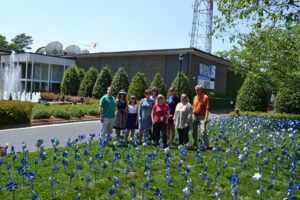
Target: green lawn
[233,133]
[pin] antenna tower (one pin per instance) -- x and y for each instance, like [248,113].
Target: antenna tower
[202,25]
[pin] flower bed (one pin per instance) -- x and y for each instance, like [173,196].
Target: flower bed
[253,158]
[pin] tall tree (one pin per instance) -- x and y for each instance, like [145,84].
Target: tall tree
[159,82]
[3,42]
[184,85]
[137,86]
[102,83]
[4,45]
[270,44]
[70,81]
[88,82]
[24,41]
[120,81]
[81,73]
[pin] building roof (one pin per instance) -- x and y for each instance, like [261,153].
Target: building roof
[155,52]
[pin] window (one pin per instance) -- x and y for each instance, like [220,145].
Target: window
[57,72]
[44,68]
[37,72]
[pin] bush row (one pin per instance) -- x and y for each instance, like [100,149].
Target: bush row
[268,115]
[64,111]
[15,112]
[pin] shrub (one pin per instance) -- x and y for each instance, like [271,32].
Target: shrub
[268,115]
[61,113]
[76,111]
[15,112]
[184,85]
[120,81]
[159,82]
[41,114]
[234,83]
[70,81]
[92,102]
[102,83]
[288,99]
[93,112]
[137,86]
[253,95]
[87,84]
[81,73]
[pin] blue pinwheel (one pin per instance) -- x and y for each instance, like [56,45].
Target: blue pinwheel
[158,193]
[111,191]
[87,181]
[11,186]
[132,193]
[116,181]
[52,183]
[71,177]
[23,171]
[30,176]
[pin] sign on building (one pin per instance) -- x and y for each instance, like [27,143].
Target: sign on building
[206,77]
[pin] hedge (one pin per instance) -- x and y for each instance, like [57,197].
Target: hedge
[268,115]
[15,111]
[41,114]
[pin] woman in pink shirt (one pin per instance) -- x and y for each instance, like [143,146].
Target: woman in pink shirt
[159,115]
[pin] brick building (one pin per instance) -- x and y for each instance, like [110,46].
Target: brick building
[201,67]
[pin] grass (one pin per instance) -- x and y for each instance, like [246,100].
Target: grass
[64,111]
[231,133]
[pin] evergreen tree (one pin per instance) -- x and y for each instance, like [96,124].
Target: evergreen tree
[288,99]
[159,82]
[23,41]
[102,83]
[81,73]
[88,82]
[137,86]
[70,81]
[184,85]
[120,81]
[253,94]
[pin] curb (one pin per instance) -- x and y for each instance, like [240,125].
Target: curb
[46,123]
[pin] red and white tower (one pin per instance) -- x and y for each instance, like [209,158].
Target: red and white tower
[202,25]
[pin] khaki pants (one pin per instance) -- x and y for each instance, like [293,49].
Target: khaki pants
[107,128]
[198,119]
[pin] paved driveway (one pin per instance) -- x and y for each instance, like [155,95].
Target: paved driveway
[59,131]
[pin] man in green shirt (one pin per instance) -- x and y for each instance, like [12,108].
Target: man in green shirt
[107,114]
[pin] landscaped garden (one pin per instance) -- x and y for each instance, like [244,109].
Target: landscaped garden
[253,158]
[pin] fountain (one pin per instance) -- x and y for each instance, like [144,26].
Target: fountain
[11,86]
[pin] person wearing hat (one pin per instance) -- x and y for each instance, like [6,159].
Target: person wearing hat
[121,113]
[200,115]
[107,114]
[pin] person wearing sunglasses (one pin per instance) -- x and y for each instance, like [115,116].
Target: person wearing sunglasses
[132,119]
[144,115]
[154,93]
[183,118]
[159,115]
[172,102]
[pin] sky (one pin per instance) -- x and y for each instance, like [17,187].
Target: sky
[114,25]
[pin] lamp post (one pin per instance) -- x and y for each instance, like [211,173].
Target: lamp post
[180,58]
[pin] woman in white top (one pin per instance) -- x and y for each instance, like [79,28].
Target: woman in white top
[183,118]
[132,120]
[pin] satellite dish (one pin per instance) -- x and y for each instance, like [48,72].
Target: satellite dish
[41,50]
[72,50]
[84,52]
[54,48]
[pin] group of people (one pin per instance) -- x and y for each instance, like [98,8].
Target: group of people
[155,116]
